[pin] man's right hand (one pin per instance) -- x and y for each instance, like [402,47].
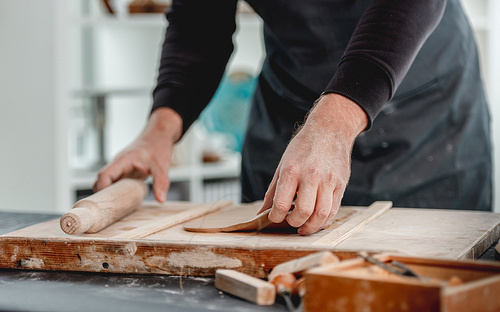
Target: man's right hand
[149,154]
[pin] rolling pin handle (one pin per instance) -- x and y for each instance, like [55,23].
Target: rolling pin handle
[77,221]
[94,213]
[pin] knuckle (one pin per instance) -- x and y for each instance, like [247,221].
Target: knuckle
[281,206]
[323,214]
[267,194]
[303,212]
[290,170]
[294,222]
[343,181]
[313,173]
[143,154]
[334,210]
[330,178]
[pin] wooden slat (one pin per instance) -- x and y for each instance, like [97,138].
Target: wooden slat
[355,224]
[170,221]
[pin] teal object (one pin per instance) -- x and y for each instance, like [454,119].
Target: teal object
[228,110]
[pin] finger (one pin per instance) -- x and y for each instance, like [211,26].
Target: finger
[99,184]
[268,197]
[119,169]
[161,182]
[286,187]
[336,202]
[321,212]
[304,204]
[139,171]
[108,175]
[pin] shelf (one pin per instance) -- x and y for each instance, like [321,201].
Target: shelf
[228,167]
[132,20]
[101,36]
[112,91]
[144,20]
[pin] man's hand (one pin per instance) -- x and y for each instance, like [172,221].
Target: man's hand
[315,166]
[149,154]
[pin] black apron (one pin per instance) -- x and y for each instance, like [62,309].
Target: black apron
[429,147]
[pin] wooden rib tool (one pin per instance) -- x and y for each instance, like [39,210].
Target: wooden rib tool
[169,221]
[355,224]
[92,214]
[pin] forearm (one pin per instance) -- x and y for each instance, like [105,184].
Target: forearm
[336,114]
[382,49]
[166,123]
[197,46]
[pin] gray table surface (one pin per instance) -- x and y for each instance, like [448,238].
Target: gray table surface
[22,290]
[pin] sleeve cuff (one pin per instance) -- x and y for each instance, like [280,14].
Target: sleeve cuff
[363,82]
[179,101]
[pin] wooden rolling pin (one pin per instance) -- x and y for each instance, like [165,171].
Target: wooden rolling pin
[92,214]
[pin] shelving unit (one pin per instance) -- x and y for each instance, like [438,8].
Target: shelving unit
[483,15]
[194,174]
[115,73]
[43,47]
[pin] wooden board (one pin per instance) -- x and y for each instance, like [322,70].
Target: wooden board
[415,232]
[237,218]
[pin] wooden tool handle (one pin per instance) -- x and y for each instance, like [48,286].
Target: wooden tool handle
[284,283]
[245,286]
[92,214]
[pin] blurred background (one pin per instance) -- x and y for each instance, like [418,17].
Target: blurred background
[75,88]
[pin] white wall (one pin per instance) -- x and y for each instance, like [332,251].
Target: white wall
[483,15]
[493,80]
[27,101]
[129,57]
[34,93]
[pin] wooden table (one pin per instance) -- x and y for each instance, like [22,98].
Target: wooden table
[129,245]
[69,291]
[23,290]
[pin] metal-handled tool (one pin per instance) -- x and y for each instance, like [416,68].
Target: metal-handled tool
[397,268]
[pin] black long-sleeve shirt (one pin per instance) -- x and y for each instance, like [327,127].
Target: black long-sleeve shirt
[412,64]
[359,49]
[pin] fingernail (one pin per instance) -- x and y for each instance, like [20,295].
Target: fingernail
[300,231]
[162,196]
[270,216]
